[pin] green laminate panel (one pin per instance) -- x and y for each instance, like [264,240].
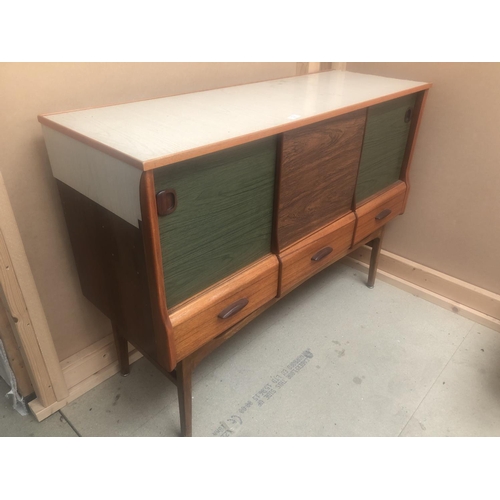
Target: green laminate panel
[383,146]
[223,219]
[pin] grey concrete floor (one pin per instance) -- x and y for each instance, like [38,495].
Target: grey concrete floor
[333,358]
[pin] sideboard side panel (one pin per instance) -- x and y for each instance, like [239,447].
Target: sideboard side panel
[166,352]
[110,260]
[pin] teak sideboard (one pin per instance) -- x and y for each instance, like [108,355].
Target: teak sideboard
[190,215]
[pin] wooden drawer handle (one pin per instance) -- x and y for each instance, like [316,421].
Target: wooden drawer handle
[322,254]
[166,202]
[383,214]
[232,309]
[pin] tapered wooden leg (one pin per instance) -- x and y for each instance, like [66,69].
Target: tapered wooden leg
[184,371]
[376,247]
[121,345]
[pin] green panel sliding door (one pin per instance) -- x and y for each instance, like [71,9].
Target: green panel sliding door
[223,219]
[384,145]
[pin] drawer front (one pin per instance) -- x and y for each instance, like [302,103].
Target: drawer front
[318,173]
[212,312]
[380,210]
[223,218]
[310,255]
[384,145]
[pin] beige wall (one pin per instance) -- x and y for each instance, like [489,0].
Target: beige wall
[27,90]
[452,221]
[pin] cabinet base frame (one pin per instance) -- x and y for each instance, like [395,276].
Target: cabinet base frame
[183,374]
[93,365]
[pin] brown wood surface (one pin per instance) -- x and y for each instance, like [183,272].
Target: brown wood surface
[390,199]
[318,175]
[296,263]
[196,321]
[200,354]
[163,331]
[110,260]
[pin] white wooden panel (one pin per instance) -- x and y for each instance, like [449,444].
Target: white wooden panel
[157,128]
[109,182]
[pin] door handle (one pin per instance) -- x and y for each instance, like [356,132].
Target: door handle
[166,202]
[233,308]
[321,254]
[383,214]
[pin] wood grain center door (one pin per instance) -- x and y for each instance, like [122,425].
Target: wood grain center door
[319,165]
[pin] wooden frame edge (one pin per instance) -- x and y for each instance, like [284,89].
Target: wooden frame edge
[163,329]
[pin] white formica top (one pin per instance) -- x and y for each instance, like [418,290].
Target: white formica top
[156,132]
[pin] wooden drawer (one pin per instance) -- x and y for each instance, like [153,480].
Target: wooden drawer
[319,165]
[379,210]
[197,320]
[310,255]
